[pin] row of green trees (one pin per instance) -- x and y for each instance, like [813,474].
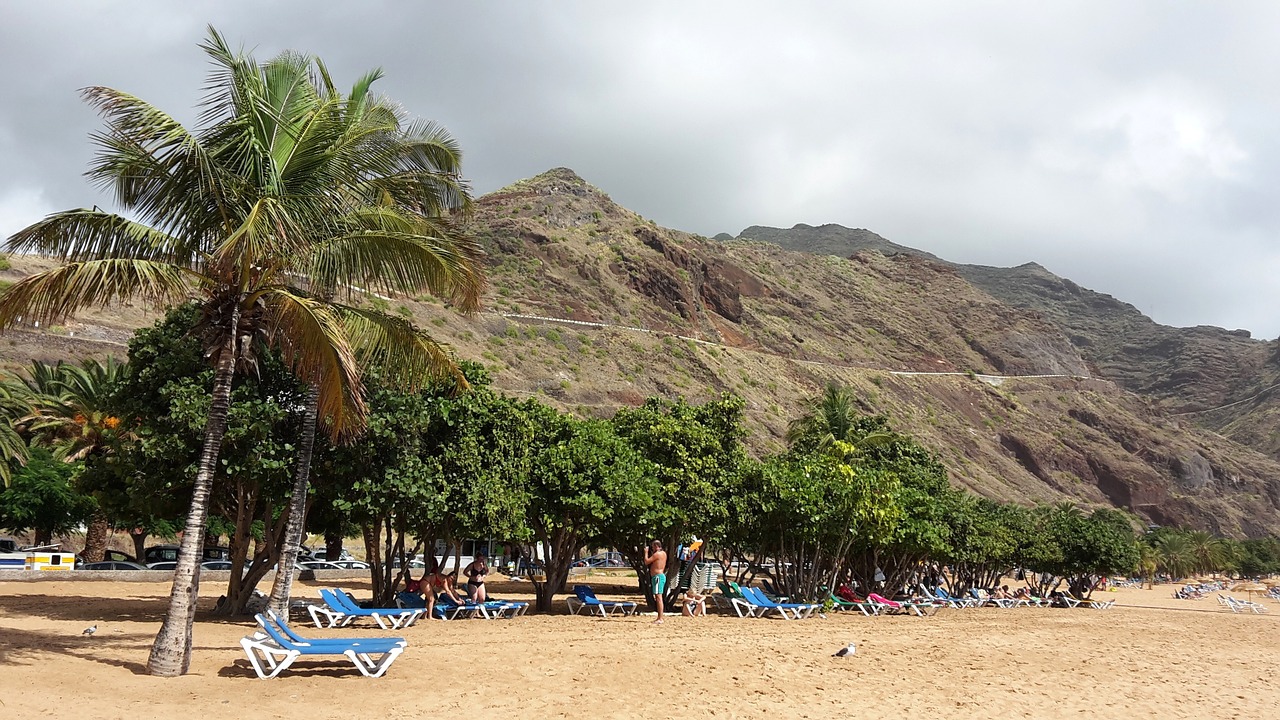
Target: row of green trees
[849,499]
[1179,554]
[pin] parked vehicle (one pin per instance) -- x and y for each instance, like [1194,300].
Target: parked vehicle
[352,564]
[318,565]
[113,565]
[166,565]
[169,553]
[322,554]
[602,560]
[217,565]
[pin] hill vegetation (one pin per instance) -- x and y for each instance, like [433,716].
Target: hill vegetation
[592,308]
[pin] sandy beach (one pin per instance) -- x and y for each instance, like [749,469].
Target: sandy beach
[1150,656]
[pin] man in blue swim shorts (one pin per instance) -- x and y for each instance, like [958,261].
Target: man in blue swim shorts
[655,559]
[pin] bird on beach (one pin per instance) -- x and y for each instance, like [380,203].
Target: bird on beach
[845,651]
[90,630]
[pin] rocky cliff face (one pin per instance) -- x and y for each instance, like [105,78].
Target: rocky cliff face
[1220,379]
[592,307]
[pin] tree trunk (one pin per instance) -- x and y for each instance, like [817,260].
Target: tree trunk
[333,545]
[95,537]
[297,508]
[171,651]
[43,537]
[139,537]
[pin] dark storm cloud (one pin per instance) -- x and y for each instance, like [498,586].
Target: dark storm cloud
[1129,148]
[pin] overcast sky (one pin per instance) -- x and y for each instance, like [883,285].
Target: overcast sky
[1132,147]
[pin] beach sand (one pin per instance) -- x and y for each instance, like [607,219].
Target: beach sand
[1151,656]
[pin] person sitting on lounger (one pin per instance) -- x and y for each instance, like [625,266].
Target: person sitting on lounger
[433,581]
[695,603]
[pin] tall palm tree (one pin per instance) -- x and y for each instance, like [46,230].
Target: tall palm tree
[250,214]
[1177,555]
[422,195]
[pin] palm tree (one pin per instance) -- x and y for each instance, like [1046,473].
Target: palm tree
[1148,563]
[13,448]
[833,416]
[68,413]
[420,196]
[68,404]
[1177,555]
[1205,551]
[251,214]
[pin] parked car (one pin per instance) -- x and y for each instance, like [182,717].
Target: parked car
[113,565]
[602,560]
[352,564]
[318,565]
[169,553]
[166,565]
[322,554]
[217,565]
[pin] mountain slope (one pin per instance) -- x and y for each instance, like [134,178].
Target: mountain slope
[1223,379]
[592,307]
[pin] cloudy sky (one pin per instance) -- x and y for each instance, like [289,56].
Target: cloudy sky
[1133,147]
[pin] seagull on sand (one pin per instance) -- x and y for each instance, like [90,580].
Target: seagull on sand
[845,651]
[90,630]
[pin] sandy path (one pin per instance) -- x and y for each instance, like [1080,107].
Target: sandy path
[1170,659]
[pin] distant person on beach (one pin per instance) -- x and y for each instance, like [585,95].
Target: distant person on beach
[655,558]
[695,603]
[433,581]
[476,573]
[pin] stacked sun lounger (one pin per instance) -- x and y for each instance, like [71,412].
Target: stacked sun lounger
[277,646]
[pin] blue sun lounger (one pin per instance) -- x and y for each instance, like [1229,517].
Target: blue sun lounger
[584,597]
[340,611]
[273,652]
[789,611]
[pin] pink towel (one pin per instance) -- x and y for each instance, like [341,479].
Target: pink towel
[876,598]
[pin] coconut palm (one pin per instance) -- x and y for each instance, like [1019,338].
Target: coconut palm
[425,199]
[1177,554]
[256,215]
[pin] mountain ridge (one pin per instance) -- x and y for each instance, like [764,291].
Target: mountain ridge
[776,325]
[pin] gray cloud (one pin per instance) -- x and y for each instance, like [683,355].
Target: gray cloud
[1129,148]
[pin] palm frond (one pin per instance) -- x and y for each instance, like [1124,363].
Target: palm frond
[407,356]
[84,234]
[388,261]
[154,164]
[312,340]
[52,296]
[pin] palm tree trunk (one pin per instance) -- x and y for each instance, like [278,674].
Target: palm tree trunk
[171,651]
[95,536]
[297,508]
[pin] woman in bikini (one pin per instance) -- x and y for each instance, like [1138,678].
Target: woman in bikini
[476,572]
[433,581]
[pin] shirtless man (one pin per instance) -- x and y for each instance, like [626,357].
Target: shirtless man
[655,558]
